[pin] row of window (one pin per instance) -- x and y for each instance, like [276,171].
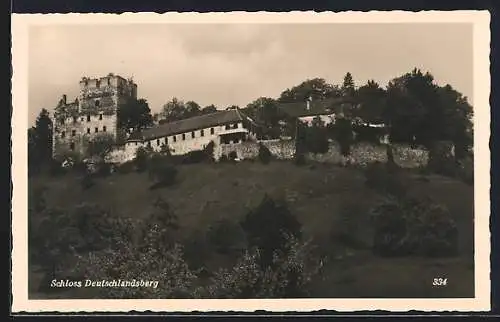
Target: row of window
[75,119]
[73,132]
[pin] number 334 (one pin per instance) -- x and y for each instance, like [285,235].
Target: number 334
[440,282]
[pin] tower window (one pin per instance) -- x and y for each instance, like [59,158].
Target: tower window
[73,133]
[175,138]
[104,128]
[202,133]
[96,130]
[100,117]
[166,140]
[72,146]
[88,130]
[88,117]
[158,142]
[183,136]
[212,130]
[192,135]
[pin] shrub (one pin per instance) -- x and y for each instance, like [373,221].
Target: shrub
[289,276]
[413,226]
[442,160]
[316,139]
[172,276]
[197,249]
[344,135]
[197,156]
[264,154]
[269,226]
[162,172]
[141,159]
[226,236]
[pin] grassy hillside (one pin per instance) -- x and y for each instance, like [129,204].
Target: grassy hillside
[317,195]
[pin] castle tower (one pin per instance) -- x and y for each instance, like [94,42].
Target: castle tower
[93,113]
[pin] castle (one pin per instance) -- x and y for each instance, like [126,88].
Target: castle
[93,112]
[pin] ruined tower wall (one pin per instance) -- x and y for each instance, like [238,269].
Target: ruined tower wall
[93,113]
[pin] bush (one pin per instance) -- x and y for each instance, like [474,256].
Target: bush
[414,226]
[289,276]
[264,154]
[197,249]
[269,226]
[226,236]
[344,135]
[141,159]
[162,172]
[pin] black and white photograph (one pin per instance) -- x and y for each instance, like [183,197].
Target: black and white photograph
[232,158]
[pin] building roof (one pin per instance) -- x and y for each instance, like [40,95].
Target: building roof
[319,107]
[187,125]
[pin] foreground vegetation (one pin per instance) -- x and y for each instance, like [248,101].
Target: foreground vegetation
[252,229]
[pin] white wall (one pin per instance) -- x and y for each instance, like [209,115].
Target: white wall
[327,119]
[179,146]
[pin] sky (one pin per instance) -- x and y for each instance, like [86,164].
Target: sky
[233,64]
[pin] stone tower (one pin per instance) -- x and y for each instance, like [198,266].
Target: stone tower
[93,113]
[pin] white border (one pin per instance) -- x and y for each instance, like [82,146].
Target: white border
[480,20]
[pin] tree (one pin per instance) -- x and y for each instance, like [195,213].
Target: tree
[209,109]
[420,112]
[101,145]
[372,102]
[316,139]
[174,110]
[269,226]
[134,114]
[347,88]
[192,109]
[265,111]
[316,88]
[40,138]
[344,135]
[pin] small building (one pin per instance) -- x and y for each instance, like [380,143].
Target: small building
[327,110]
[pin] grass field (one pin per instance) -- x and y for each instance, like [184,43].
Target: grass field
[205,193]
